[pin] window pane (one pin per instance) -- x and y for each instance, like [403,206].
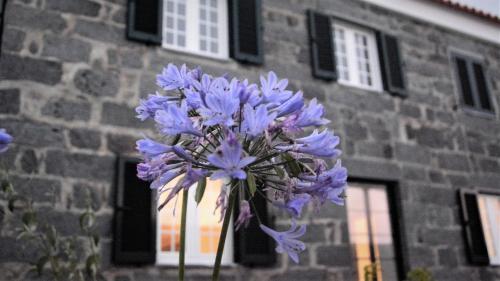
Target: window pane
[363,59]
[341,54]
[209,225]
[489,210]
[361,245]
[170,223]
[175,23]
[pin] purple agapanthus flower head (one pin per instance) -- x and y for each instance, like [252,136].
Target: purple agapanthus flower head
[174,78]
[294,206]
[286,240]
[191,177]
[273,90]
[229,159]
[220,104]
[317,144]
[310,115]
[175,120]
[329,185]
[294,104]
[256,120]
[149,106]
[150,148]
[244,215]
[5,140]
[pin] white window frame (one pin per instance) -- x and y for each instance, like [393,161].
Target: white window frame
[192,29]
[193,255]
[354,80]
[488,214]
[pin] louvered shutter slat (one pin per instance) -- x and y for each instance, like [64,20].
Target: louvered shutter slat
[321,46]
[482,89]
[134,224]
[252,247]
[144,22]
[245,27]
[391,64]
[471,219]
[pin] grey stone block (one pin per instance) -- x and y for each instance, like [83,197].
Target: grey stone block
[120,115]
[10,101]
[334,256]
[490,165]
[454,162]
[67,109]
[374,149]
[121,144]
[83,192]
[412,154]
[34,134]
[301,275]
[447,257]
[100,32]
[430,137]
[13,39]
[66,49]
[81,7]
[494,150]
[38,189]
[315,234]
[24,68]
[355,132]
[29,161]
[65,222]
[410,110]
[79,165]
[35,19]
[372,169]
[85,138]
[97,83]
[421,256]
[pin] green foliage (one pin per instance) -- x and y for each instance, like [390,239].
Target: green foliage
[419,274]
[56,255]
[370,271]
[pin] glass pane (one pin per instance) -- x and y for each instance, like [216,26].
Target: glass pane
[355,199]
[384,250]
[378,199]
[213,16]
[358,222]
[489,210]
[364,269]
[181,24]
[170,38]
[213,32]
[203,14]
[361,245]
[380,223]
[170,223]
[210,226]
[170,22]
[181,40]
[181,9]
[213,47]
[203,45]
[170,6]
[213,3]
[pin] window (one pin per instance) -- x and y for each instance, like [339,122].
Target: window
[370,230]
[472,83]
[202,229]
[356,57]
[196,26]
[489,211]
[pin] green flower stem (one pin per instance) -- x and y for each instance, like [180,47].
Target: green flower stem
[182,250]
[222,239]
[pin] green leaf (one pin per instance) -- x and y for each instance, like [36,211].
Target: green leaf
[7,186]
[252,187]
[29,219]
[17,202]
[87,220]
[40,264]
[279,171]
[292,165]
[200,190]
[92,264]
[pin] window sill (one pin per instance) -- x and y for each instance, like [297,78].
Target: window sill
[359,88]
[195,266]
[474,112]
[223,59]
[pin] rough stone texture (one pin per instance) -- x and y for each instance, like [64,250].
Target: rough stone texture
[24,68]
[10,101]
[96,82]
[66,49]
[69,81]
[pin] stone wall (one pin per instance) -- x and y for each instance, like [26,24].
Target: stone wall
[69,81]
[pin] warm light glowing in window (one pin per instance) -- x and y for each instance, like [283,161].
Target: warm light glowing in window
[489,209]
[370,230]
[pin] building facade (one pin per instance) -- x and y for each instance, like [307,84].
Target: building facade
[413,90]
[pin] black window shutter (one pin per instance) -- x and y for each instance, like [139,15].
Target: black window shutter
[252,247]
[321,46]
[144,22]
[481,87]
[391,64]
[465,82]
[3,4]
[471,219]
[245,27]
[135,221]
